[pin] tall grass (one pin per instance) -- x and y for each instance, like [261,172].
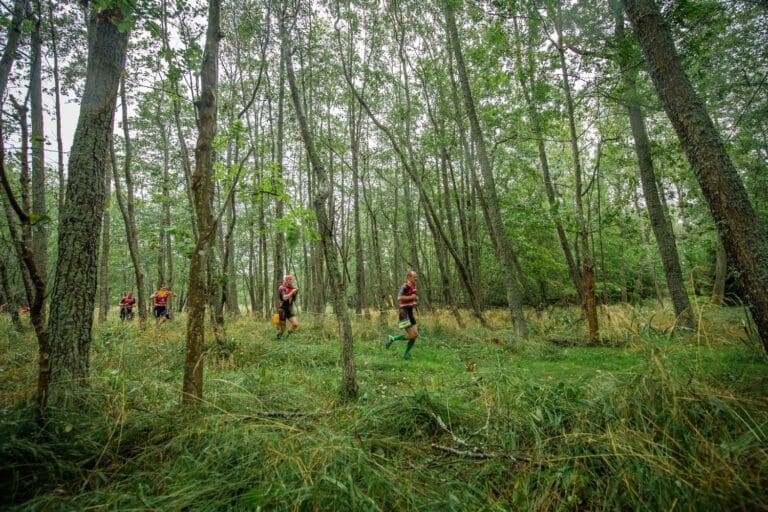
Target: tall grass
[479,420]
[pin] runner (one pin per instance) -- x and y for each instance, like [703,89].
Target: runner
[407,300]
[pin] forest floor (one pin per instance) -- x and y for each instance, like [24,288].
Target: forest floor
[651,419]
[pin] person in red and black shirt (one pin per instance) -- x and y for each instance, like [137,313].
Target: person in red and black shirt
[407,300]
[287,293]
[126,306]
[160,299]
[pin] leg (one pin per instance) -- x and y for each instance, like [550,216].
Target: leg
[410,334]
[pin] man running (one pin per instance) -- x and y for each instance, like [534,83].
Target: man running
[160,300]
[287,293]
[126,306]
[407,300]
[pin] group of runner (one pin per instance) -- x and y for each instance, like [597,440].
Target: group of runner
[287,292]
[407,299]
[159,300]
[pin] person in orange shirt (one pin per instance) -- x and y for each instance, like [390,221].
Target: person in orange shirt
[160,300]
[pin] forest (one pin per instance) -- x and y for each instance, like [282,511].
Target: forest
[568,197]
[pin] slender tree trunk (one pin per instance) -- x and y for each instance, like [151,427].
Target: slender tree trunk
[104,259]
[549,188]
[36,286]
[192,390]
[11,301]
[57,107]
[127,210]
[745,241]
[39,210]
[279,257]
[348,390]
[721,273]
[588,271]
[487,194]
[660,223]
[74,287]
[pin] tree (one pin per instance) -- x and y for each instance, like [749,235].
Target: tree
[488,195]
[202,188]
[321,202]
[745,241]
[660,223]
[74,285]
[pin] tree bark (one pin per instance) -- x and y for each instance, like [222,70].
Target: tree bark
[549,188]
[192,389]
[745,241]
[660,223]
[487,194]
[127,210]
[74,287]
[39,210]
[104,301]
[348,389]
[587,267]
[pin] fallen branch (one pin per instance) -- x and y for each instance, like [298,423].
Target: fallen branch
[473,454]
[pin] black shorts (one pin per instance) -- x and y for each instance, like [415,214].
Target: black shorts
[161,311]
[285,313]
[406,313]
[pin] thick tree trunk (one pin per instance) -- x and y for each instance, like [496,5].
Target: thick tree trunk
[348,389]
[74,287]
[745,241]
[192,389]
[487,193]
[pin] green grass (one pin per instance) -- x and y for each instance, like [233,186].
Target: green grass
[652,419]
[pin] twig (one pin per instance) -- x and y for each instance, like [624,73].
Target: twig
[474,454]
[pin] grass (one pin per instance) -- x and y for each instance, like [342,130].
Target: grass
[652,419]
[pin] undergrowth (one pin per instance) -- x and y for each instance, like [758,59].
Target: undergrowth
[478,420]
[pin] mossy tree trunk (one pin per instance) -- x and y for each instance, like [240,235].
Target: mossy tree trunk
[202,191]
[74,284]
[745,240]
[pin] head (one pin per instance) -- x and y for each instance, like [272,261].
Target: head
[130,293]
[162,287]
[288,279]
[411,276]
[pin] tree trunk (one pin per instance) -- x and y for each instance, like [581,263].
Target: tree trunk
[745,241]
[126,208]
[721,273]
[487,193]
[11,302]
[74,287]
[348,390]
[280,267]
[39,210]
[192,390]
[57,108]
[104,301]
[588,271]
[660,223]
[549,188]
